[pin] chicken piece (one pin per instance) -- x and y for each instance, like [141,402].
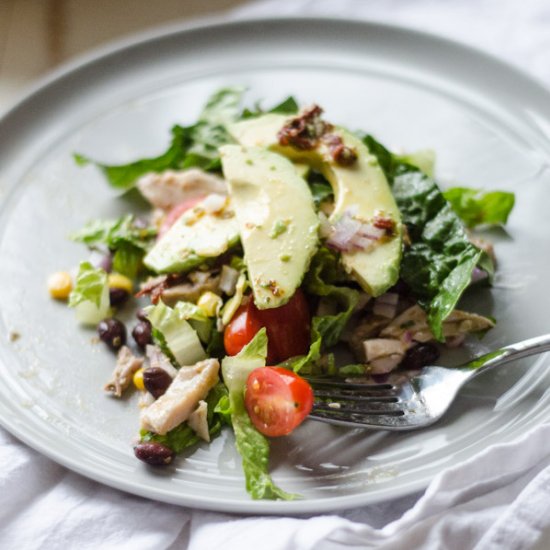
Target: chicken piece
[174,407]
[158,359]
[367,328]
[384,354]
[199,283]
[169,188]
[198,421]
[412,324]
[126,366]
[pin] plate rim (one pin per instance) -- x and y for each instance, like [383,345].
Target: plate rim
[116,47]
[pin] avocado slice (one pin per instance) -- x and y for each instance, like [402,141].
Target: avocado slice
[195,237]
[277,220]
[361,186]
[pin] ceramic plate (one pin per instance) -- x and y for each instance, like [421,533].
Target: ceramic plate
[490,126]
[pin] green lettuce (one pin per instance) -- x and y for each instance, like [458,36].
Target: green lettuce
[128,242]
[201,323]
[438,263]
[288,106]
[321,279]
[476,207]
[90,295]
[174,333]
[190,146]
[251,444]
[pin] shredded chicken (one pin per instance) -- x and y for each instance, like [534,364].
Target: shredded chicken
[198,421]
[174,407]
[169,188]
[199,283]
[384,354]
[412,324]
[126,365]
[158,359]
[368,328]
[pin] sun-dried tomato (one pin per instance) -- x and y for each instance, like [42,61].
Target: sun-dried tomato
[304,131]
[342,154]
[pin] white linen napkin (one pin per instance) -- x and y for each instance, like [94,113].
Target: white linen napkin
[499,499]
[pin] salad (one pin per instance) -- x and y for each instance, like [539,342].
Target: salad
[274,238]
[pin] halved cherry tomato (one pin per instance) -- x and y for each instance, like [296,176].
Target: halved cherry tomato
[277,400]
[172,216]
[288,328]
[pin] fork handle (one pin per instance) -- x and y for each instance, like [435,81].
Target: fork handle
[513,352]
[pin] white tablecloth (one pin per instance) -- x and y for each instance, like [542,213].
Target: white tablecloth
[499,500]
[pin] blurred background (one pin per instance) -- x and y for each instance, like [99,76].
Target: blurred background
[37,35]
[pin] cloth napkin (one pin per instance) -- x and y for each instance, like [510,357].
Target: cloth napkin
[497,500]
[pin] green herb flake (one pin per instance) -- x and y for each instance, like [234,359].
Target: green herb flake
[279,227]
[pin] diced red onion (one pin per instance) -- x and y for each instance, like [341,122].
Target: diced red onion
[349,234]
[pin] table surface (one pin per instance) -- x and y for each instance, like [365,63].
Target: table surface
[38,35]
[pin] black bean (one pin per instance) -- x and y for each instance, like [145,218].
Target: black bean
[419,356]
[142,334]
[156,381]
[112,332]
[154,454]
[117,296]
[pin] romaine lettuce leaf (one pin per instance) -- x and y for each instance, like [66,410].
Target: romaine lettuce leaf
[196,317]
[191,146]
[176,333]
[90,295]
[476,207]
[251,444]
[438,263]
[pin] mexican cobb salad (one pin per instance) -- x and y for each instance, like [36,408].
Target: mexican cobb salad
[274,238]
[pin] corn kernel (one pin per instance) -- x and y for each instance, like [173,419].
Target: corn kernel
[116,280]
[138,380]
[60,285]
[210,303]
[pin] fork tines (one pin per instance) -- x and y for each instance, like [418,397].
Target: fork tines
[335,398]
[341,383]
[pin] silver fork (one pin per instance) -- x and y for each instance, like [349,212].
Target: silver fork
[415,403]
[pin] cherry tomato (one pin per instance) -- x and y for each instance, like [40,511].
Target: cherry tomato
[277,400]
[288,328]
[173,215]
[240,330]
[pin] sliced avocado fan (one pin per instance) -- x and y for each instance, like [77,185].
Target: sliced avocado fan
[277,220]
[360,187]
[195,237]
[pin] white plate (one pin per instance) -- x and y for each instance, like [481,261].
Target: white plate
[490,127]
